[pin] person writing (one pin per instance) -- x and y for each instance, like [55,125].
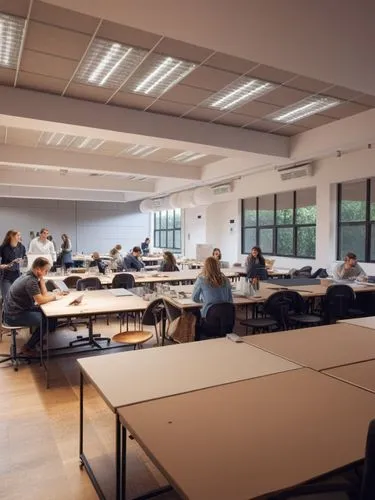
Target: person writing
[132,261]
[145,247]
[169,263]
[42,246]
[98,262]
[12,252]
[25,296]
[211,286]
[349,269]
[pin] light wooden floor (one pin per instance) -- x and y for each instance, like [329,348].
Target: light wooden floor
[39,433]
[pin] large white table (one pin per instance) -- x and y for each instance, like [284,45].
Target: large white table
[128,378]
[368,322]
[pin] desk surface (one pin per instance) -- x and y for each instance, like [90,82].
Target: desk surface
[365,322]
[320,347]
[121,378]
[283,429]
[359,374]
[94,302]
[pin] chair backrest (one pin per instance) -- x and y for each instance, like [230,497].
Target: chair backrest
[123,280]
[279,305]
[153,313]
[220,319]
[92,283]
[337,302]
[368,478]
[71,281]
[50,285]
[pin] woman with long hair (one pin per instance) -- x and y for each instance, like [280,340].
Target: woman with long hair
[256,264]
[169,263]
[117,260]
[211,286]
[66,251]
[12,252]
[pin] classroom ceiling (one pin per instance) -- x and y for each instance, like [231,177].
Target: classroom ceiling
[81,56]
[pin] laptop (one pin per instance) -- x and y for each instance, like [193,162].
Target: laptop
[76,301]
[60,285]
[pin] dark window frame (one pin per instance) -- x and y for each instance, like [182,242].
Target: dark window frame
[173,228]
[367,223]
[294,225]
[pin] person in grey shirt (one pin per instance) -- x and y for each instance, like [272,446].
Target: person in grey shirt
[349,269]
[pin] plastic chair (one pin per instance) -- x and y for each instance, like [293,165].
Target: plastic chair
[339,303]
[219,321]
[123,280]
[276,309]
[364,490]
[71,281]
[152,316]
[92,283]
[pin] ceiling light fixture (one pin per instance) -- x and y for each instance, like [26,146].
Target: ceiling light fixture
[86,143]
[11,34]
[302,109]
[162,74]
[108,64]
[140,150]
[187,157]
[238,93]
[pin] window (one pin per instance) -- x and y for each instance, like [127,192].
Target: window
[281,224]
[167,230]
[356,219]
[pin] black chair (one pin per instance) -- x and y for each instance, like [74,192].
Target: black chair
[339,303]
[172,313]
[362,490]
[71,281]
[92,283]
[275,310]
[123,280]
[219,321]
[297,313]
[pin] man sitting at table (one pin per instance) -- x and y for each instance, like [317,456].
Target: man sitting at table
[349,269]
[132,261]
[27,293]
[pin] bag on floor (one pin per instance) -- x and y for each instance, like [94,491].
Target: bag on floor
[182,329]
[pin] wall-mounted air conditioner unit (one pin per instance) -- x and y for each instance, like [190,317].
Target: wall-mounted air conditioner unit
[157,204]
[222,189]
[287,173]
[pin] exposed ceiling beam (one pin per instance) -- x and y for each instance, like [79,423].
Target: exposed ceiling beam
[122,124]
[54,158]
[65,194]
[17,177]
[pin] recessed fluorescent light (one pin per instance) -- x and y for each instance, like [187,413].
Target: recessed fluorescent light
[187,157]
[86,143]
[238,93]
[159,75]
[108,64]
[11,34]
[140,150]
[304,108]
[55,139]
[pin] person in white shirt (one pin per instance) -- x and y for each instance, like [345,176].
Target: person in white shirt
[349,269]
[42,246]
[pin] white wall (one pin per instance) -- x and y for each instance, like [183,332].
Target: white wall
[194,230]
[91,225]
[328,172]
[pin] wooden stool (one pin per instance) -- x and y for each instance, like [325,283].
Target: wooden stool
[136,338]
[14,357]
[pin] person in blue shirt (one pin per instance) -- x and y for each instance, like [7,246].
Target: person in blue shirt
[132,261]
[211,286]
[12,252]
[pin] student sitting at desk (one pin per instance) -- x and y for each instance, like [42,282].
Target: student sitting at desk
[98,262]
[117,260]
[169,263]
[349,269]
[256,264]
[211,286]
[19,306]
[132,261]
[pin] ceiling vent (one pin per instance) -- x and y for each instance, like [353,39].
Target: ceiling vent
[222,189]
[295,172]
